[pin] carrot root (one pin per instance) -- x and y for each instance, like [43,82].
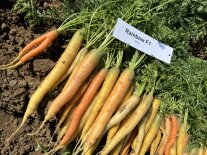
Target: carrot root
[43,123]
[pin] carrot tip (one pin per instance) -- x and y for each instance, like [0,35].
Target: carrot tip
[11,63]
[55,149]
[13,134]
[32,134]
[12,66]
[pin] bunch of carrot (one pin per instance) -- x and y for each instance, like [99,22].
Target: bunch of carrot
[100,99]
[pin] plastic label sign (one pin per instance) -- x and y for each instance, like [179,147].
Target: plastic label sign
[139,40]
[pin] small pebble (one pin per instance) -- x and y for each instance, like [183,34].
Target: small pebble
[12,83]
[3,26]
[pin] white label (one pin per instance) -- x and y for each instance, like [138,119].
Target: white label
[139,40]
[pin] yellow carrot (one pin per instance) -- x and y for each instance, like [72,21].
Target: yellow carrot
[155,143]
[154,109]
[154,128]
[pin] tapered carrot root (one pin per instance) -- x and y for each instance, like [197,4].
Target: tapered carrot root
[28,52]
[56,73]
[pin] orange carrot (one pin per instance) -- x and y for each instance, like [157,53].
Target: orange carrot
[173,134]
[28,52]
[72,102]
[82,106]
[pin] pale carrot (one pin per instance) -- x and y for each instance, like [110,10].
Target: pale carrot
[113,101]
[115,128]
[151,134]
[166,136]
[117,148]
[56,73]
[72,102]
[137,143]
[135,118]
[173,134]
[155,143]
[154,109]
[79,94]
[182,135]
[125,108]
[205,151]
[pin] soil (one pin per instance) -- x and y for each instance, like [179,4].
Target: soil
[17,85]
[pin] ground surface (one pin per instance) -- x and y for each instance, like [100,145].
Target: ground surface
[17,85]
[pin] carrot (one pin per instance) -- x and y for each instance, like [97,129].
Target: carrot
[173,149]
[166,136]
[155,143]
[56,73]
[28,52]
[112,131]
[117,148]
[173,134]
[84,69]
[137,143]
[82,106]
[182,135]
[108,85]
[113,101]
[125,150]
[137,115]
[65,125]
[81,54]
[87,113]
[151,134]
[72,102]
[115,128]
[155,107]
[125,108]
